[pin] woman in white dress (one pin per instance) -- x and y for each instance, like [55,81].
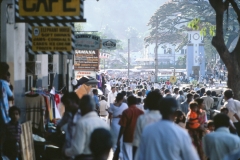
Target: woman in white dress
[115,113]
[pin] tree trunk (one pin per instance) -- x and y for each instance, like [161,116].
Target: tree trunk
[231,60]
[234,78]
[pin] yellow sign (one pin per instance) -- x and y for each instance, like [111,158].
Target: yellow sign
[173,79]
[51,39]
[49,7]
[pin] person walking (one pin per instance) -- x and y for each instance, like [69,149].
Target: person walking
[128,123]
[84,128]
[112,96]
[115,112]
[171,143]
[209,102]
[103,107]
[101,143]
[96,99]
[180,98]
[234,108]
[221,142]
[5,95]
[184,107]
[151,102]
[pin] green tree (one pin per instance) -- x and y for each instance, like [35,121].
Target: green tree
[175,18]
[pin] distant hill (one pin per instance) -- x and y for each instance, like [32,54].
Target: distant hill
[118,15]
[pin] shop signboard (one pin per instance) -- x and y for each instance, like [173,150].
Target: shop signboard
[87,42]
[45,11]
[80,74]
[49,39]
[86,60]
[109,44]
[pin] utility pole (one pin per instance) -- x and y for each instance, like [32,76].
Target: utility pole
[156,52]
[104,64]
[128,57]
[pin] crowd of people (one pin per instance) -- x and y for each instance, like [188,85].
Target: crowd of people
[136,122]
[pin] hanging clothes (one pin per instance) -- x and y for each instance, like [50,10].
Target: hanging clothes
[35,110]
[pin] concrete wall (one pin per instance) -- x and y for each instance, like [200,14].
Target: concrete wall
[43,76]
[13,52]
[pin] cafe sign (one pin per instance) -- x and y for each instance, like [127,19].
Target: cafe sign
[87,42]
[43,11]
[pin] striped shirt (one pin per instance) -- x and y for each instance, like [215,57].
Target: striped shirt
[35,106]
[13,132]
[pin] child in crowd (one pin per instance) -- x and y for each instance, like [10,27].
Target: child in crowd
[11,147]
[180,119]
[192,119]
[210,126]
[232,128]
[194,128]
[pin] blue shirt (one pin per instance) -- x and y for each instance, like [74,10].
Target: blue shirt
[5,92]
[95,97]
[165,140]
[220,143]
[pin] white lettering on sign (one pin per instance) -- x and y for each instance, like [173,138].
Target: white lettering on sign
[84,52]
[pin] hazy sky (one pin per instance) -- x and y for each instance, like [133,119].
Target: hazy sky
[119,14]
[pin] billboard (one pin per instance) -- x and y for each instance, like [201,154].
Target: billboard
[87,42]
[87,60]
[49,39]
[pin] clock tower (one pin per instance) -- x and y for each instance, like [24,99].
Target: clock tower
[195,55]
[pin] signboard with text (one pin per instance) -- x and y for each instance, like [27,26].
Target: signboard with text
[109,44]
[80,74]
[51,39]
[87,42]
[87,60]
[44,11]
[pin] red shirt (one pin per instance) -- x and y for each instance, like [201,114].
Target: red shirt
[129,120]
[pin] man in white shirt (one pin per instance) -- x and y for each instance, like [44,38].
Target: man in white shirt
[221,142]
[175,93]
[152,101]
[84,128]
[164,139]
[233,107]
[103,109]
[209,102]
[112,96]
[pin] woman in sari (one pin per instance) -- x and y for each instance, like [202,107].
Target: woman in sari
[115,113]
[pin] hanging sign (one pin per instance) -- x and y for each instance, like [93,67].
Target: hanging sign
[50,39]
[49,11]
[87,42]
[87,60]
[109,44]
